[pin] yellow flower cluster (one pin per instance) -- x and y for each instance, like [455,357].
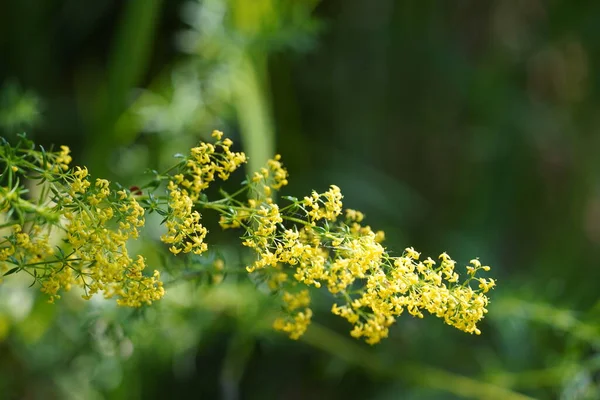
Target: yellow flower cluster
[185,233]
[54,162]
[97,223]
[184,230]
[406,283]
[20,248]
[98,234]
[324,206]
[264,182]
[297,314]
[266,219]
[272,177]
[63,159]
[350,261]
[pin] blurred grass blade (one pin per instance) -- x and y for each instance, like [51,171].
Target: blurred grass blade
[350,351]
[131,53]
[129,59]
[253,108]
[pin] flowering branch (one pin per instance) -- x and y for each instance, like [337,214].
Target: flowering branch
[308,242]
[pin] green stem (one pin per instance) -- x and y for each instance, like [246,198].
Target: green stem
[216,206]
[297,220]
[53,262]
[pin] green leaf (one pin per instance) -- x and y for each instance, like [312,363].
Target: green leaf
[34,278]
[11,271]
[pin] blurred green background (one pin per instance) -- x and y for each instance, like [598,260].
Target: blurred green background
[469,127]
